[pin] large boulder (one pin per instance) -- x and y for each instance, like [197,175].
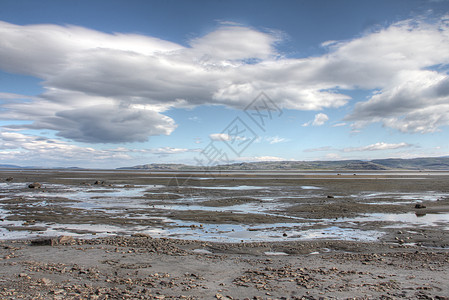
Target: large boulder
[35,185]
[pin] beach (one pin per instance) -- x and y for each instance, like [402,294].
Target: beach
[89,234]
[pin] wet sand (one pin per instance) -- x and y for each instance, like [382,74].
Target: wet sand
[238,235]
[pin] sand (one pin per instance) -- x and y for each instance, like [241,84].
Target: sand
[395,259]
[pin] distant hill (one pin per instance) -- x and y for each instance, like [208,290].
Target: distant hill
[425,163]
[37,168]
[9,167]
[173,167]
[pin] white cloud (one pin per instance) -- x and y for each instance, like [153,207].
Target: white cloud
[319,120]
[220,137]
[275,139]
[109,88]
[324,148]
[333,156]
[168,150]
[418,101]
[37,150]
[378,146]
[260,158]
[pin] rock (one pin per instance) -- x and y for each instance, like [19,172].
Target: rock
[284,235]
[23,275]
[45,281]
[42,242]
[9,179]
[65,239]
[420,205]
[35,185]
[61,240]
[330,196]
[220,296]
[99,182]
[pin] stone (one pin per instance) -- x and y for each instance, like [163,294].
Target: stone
[35,185]
[420,205]
[42,242]
[330,196]
[65,239]
[140,234]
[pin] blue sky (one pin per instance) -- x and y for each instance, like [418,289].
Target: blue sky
[105,84]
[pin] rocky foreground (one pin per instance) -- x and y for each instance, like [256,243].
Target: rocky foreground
[140,267]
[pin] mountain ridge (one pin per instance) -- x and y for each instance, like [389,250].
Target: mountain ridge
[422,163]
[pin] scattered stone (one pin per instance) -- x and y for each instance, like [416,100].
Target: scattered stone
[9,179]
[35,185]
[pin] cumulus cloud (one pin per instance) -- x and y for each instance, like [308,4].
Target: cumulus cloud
[378,146]
[319,120]
[418,101]
[110,88]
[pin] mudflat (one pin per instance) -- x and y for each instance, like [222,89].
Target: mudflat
[269,235]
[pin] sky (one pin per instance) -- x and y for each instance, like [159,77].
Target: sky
[107,84]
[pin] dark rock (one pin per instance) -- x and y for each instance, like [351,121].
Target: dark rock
[9,179]
[330,196]
[419,205]
[61,240]
[42,242]
[35,185]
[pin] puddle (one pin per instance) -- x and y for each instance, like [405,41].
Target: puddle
[201,251]
[247,208]
[275,253]
[135,204]
[410,197]
[239,187]
[434,219]
[310,187]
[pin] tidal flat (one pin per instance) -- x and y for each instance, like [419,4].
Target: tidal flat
[269,234]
